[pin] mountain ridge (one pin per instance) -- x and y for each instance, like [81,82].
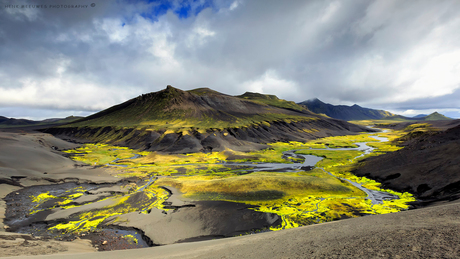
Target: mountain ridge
[344,112]
[173,120]
[356,112]
[6,122]
[196,107]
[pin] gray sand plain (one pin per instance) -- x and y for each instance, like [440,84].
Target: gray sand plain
[32,158]
[423,233]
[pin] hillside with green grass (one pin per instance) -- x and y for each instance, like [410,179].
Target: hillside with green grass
[271,100]
[435,116]
[200,109]
[173,120]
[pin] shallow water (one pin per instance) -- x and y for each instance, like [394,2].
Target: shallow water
[309,161]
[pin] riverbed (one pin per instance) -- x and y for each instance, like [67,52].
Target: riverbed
[60,205]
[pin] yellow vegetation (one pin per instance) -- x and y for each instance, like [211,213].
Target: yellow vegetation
[299,198]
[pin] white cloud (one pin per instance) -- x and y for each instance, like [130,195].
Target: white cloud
[234,5]
[374,53]
[271,83]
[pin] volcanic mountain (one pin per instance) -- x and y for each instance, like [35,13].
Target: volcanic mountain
[179,121]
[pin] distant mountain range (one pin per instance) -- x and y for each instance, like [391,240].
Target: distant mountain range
[435,116]
[13,123]
[356,112]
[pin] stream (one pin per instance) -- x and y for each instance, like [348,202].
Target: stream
[309,161]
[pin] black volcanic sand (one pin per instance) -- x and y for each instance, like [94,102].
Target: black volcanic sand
[431,232]
[428,232]
[184,222]
[114,239]
[427,166]
[443,124]
[199,220]
[19,219]
[19,203]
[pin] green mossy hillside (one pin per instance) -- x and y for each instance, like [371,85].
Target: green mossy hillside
[271,100]
[174,109]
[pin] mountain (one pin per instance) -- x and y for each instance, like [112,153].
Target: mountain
[344,112]
[179,121]
[435,116]
[198,109]
[356,112]
[8,122]
[14,123]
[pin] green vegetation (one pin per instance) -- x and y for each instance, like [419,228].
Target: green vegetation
[436,116]
[142,200]
[174,110]
[259,186]
[131,239]
[101,154]
[299,197]
[185,123]
[395,119]
[271,100]
[60,201]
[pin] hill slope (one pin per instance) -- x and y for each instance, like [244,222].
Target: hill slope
[179,121]
[435,116]
[344,112]
[428,165]
[201,108]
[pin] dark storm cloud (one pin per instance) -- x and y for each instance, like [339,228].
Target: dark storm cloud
[395,54]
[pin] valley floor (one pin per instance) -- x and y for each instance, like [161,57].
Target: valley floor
[427,232]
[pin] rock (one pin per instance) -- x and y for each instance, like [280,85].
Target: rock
[104,242]
[6,227]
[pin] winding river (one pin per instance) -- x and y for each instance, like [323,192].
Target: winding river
[309,161]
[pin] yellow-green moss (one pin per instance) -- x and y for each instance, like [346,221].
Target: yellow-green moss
[299,198]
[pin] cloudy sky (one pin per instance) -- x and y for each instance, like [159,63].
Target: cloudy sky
[70,57]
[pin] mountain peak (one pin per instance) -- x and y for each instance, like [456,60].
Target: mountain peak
[436,116]
[313,100]
[198,108]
